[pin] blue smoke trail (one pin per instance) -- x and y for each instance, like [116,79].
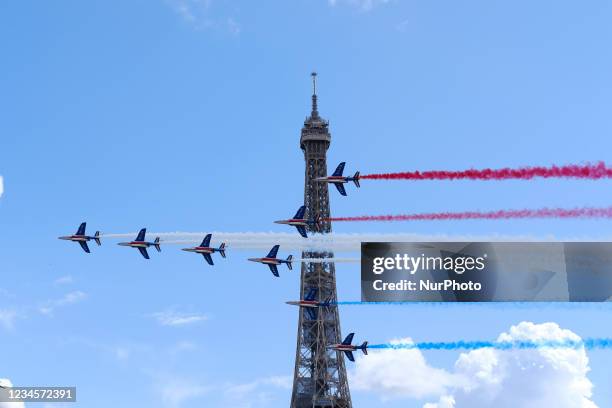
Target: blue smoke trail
[486,305]
[589,344]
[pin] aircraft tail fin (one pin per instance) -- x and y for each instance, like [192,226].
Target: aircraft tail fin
[364,347]
[289,262]
[156,244]
[222,249]
[356,179]
[97,238]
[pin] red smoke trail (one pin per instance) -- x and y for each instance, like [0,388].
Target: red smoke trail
[586,171]
[587,212]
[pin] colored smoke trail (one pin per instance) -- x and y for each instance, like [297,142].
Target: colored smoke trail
[570,306]
[586,171]
[589,344]
[586,212]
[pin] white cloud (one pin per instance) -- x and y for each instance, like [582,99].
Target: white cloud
[400,373]
[68,299]
[172,318]
[190,10]
[257,393]
[200,15]
[403,25]
[6,293]
[445,402]
[63,280]
[530,378]
[364,5]
[5,382]
[233,26]
[174,392]
[1,186]
[121,353]
[7,318]
[183,346]
[546,377]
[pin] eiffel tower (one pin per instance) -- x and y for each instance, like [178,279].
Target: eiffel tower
[319,379]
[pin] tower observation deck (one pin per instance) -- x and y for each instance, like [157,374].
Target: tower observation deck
[319,379]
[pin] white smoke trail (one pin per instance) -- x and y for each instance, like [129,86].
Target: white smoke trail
[334,260]
[339,242]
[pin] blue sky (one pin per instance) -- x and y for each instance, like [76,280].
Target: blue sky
[184,115]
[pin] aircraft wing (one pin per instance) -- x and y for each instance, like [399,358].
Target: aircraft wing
[144,252]
[84,246]
[208,259]
[206,242]
[141,235]
[302,230]
[273,252]
[274,270]
[300,213]
[339,170]
[311,294]
[349,355]
[81,230]
[340,188]
[349,339]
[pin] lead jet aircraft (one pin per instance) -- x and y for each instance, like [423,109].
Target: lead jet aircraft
[310,304]
[299,222]
[141,244]
[272,261]
[206,250]
[348,348]
[82,238]
[338,180]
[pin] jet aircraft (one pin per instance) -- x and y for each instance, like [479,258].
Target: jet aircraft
[338,180]
[272,261]
[310,304]
[82,238]
[299,222]
[206,250]
[348,348]
[141,244]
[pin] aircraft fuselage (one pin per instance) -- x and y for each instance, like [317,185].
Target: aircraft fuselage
[304,303]
[136,244]
[201,250]
[334,179]
[344,347]
[77,238]
[293,222]
[267,261]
